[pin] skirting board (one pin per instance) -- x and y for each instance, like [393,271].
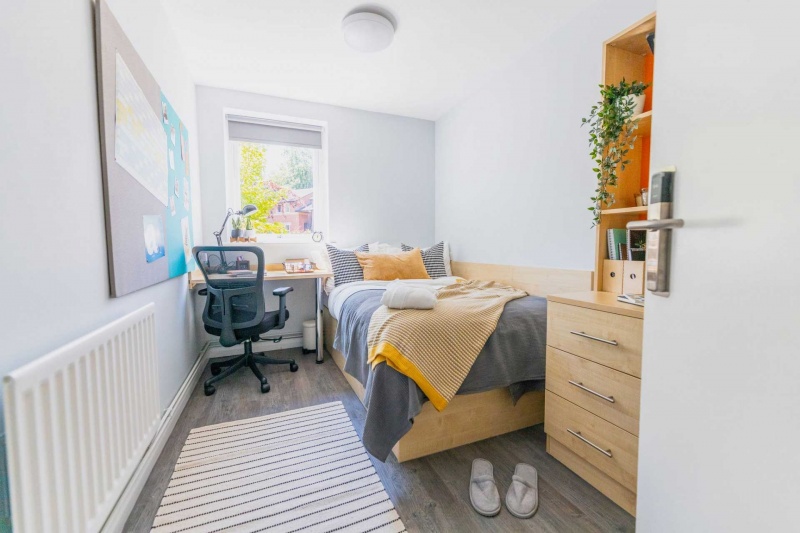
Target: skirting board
[468,418]
[124,506]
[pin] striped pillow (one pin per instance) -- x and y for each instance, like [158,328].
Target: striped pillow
[345,265]
[436,259]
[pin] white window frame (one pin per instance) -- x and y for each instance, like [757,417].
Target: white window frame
[233,191]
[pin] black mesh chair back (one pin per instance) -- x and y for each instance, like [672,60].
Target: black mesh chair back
[235,283]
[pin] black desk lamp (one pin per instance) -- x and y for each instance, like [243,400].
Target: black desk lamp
[246,211]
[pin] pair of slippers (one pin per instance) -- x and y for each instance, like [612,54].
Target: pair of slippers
[522,498]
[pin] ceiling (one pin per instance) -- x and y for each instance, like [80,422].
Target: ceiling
[442,50]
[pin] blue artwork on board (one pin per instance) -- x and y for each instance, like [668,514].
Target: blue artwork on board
[178,213]
[153,237]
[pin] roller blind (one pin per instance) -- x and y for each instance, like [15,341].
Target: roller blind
[249,129]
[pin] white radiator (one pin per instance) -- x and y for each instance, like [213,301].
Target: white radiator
[78,421]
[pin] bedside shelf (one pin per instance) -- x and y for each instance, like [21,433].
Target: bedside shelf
[639,209]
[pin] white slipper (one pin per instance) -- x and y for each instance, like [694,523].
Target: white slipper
[482,488]
[522,498]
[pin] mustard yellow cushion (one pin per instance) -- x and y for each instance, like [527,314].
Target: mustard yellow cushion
[405,265]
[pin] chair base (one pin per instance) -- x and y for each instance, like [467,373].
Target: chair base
[223,369]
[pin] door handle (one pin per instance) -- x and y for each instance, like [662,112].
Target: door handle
[656,225]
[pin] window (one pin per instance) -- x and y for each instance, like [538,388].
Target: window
[277,165]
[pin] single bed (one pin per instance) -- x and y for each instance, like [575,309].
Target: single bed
[510,367]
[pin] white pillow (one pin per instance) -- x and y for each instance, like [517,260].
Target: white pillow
[383,248]
[447,258]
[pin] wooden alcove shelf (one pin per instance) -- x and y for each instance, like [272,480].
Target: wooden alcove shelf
[627,56]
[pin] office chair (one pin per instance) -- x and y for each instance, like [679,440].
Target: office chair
[235,310]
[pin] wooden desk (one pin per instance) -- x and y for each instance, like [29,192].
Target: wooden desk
[272,272]
[276,272]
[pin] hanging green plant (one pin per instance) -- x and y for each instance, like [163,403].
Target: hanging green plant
[611,137]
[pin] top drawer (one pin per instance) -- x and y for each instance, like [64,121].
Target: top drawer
[606,338]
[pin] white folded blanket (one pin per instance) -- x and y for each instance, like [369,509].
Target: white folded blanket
[399,295]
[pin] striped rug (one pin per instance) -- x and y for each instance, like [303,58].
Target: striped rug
[303,470]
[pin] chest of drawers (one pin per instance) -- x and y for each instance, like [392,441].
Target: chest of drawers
[594,361]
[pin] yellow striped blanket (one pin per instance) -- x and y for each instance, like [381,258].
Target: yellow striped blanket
[437,347]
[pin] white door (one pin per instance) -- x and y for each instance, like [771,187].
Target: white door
[720,413]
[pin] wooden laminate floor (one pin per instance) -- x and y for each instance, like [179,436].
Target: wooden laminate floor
[431,493]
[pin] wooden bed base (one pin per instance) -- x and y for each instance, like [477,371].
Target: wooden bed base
[473,417]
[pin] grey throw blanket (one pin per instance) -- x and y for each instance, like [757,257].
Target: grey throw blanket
[514,357]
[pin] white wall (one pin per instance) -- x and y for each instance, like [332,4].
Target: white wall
[52,238]
[720,408]
[513,174]
[380,167]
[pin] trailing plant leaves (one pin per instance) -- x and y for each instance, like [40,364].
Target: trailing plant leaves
[611,128]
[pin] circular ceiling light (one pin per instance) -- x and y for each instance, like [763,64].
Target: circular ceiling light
[367,32]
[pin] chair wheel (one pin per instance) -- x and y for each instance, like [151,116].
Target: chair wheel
[264,388]
[293,367]
[209,390]
[215,370]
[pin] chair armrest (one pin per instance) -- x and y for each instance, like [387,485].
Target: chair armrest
[227,336]
[281,294]
[282,291]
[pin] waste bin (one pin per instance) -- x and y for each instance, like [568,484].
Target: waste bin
[309,336]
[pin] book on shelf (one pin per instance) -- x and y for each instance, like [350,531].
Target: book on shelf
[615,238]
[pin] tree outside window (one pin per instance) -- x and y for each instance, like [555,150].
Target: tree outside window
[279,180]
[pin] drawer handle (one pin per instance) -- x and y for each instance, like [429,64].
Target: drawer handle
[598,339]
[590,391]
[590,443]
